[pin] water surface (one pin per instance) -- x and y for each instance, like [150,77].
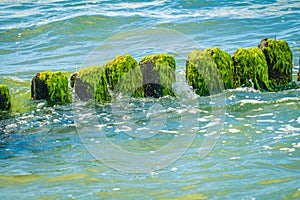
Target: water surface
[43,157]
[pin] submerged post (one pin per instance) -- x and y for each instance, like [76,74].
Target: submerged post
[205,70]
[50,86]
[120,75]
[251,69]
[279,59]
[5,103]
[298,79]
[158,75]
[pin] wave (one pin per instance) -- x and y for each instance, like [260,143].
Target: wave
[249,99]
[42,13]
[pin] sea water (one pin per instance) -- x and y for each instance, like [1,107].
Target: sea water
[43,154]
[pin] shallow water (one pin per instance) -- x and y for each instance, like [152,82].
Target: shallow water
[42,155]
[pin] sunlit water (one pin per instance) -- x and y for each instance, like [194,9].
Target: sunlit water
[43,157]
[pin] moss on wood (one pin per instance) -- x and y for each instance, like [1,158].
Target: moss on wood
[279,60]
[202,73]
[158,74]
[5,99]
[51,86]
[124,76]
[251,69]
[91,83]
[121,75]
[224,63]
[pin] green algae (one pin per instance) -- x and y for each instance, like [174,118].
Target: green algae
[197,196]
[158,74]
[19,93]
[67,177]
[267,68]
[121,75]
[51,86]
[224,64]
[20,100]
[279,60]
[202,73]
[5,99]
[298,78]
[124,76]
[91,83]
[251,69]
[274,181]
[10,180]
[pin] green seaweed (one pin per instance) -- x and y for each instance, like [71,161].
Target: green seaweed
[57,87]
[162,69]
[224,64]
[121,75]
[289,86]
[202,73]
[5,99]
[279,60]
[251,69]
[124,76]
[91,83]
[19,93]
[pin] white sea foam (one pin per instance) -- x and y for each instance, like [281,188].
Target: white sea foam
[136,5]
[298,120]
[266,147]
[296,145]
[251,116]
[294,99]
[266,114]
[289,128]
[250,101]
[287,149]
[174,169]
[142,129]
[202,119]
[266,120]
[123,129]
[257,110]
[168,131]
[234,130]
[231,97]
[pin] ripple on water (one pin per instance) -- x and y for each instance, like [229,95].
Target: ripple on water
[256,157]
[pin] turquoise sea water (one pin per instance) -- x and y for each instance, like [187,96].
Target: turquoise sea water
[42,155]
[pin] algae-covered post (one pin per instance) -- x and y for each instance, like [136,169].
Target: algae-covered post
[279,60]
[5,103]
[121,75]
[251,69]
[91,83]
[224,63]
[298,78]
[158,74]
[202,73]
[124,76]
[50,86]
